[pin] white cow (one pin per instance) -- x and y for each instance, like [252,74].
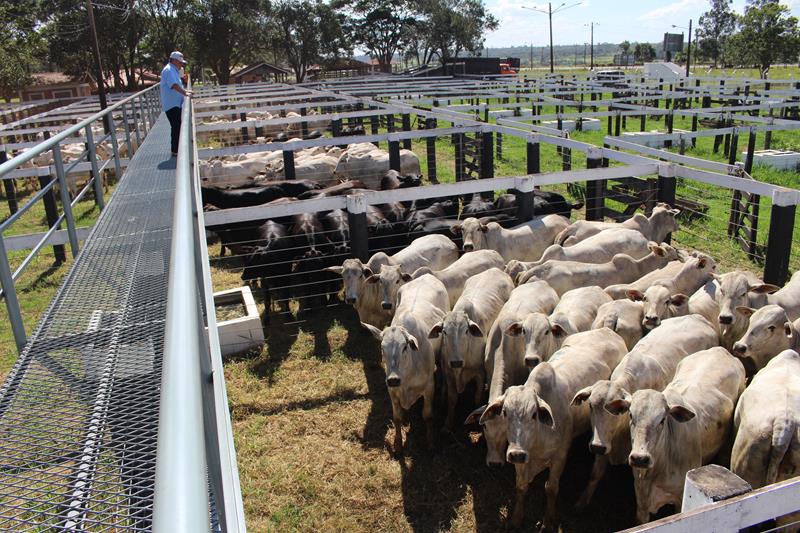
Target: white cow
[623,317]
[619,291]
[539,420]
[788,297]
[545,334]
[770,332]
[566,275]
[682,427]
[600,248]
[366,162]
[650,364]
[503,358]
[463,334]
[660,224]
[409,357]
[458,273]
[767,424]
[365,297]
[524,242]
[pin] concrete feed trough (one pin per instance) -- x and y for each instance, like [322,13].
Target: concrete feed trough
[779,159]
[244,333]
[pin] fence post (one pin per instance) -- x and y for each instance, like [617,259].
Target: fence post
[66,203]
[458,140]
[430,144]
[9,187]
[394,155]
[779,241]
[666,188]
[694,128]
[525,195]
[751,147]
[97,180]
[406,127]
[374,126]
[595,189]
[357,220]
[10,295]
[499,146]
[487,161]
[288,165]
[534,158]
[51,209]
[304,124]
[336,127]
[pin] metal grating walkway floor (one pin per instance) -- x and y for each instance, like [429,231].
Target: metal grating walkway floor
[79,411]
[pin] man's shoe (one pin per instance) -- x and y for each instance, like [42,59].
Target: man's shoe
[174,154]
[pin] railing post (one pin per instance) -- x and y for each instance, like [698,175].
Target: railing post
[394,155]
[10,295]
[357,220]
[143,115]
[288,165]
[430,144]
[666,188]
[533,158]
[114,146]
[779,241]
[126,120]
[487,161]
[97,180]
[525,199]
[406,118]
[66,203]
[595,189]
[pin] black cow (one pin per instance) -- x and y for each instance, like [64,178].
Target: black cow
[232,198]
[477,207]
[337,229]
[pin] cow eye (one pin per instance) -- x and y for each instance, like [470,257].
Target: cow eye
[662,421]
[771,328]
[644,299]
[547,332]
[505,413]
[398,281]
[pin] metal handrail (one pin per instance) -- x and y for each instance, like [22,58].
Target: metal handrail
[181,502]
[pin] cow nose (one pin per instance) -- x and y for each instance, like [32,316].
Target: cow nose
[639,460]
[456,364]
[739,348]
[599,449]
[349,300]
[387,305]
[531,362]
[393,381]
[517,456]
[468,247]
[725,319]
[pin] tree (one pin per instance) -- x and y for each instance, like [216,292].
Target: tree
[643,52]
[456,26]
[307,32]
[714,28]
[767,33]
[379,27]
[228,33]
[20,45]
[625,47]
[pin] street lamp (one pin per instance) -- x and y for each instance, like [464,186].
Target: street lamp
[688,47]
[591,28]
[549,14]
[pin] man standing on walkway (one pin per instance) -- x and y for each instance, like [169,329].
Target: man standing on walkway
[172,94]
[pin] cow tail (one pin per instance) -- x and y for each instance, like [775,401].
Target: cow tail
[783,431]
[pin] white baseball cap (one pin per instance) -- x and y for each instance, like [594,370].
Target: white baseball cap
[177,55]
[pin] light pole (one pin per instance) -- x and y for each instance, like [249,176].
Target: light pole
[591,32]
[688,47]
[550,11]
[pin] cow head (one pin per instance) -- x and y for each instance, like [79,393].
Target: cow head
[651,413]
[769,333]
[456,331]
[608,405]
[659,304]
[397,352]
[543,336]
[390,280]
[354,273]
[494,431]
[663,220]
[474,232]
[737,290]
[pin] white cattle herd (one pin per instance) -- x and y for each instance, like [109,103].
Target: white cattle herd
[607,330]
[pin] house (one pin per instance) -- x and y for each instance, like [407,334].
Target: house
[54,85]
[260,72]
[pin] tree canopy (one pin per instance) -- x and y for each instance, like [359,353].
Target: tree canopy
[767,34]
[714,28]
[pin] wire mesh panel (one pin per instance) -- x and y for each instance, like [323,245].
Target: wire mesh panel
[79,411]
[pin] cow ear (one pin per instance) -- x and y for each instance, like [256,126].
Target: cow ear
[544,414]
[484,228]
[406,277]
[679,299]
[717,278]
[745,311]
[788,329]
[378,334]
[681,413]
[455,230]
[435,331]
[514,330]
[373,279]
[475,415]
[619,406]
[656,249]
[674,212]
[335,269]
[701,262]
[558,331]
[474,329]
[412,341]
[634,295]
[763,288]
[492,410]
[582,395]
[366,271]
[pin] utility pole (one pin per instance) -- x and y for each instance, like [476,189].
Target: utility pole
[688,47]
[550,11]
[98,66]
[591,32]
[531,56]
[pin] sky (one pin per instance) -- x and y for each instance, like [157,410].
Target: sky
[615,20]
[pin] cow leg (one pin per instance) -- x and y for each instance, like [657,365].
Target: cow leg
[641,486]
[397,420]
[480,379]
[452,398]
[427,410]
[524,475]
[598,470]
[551,490]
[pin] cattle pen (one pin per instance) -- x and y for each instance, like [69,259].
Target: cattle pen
[309,410]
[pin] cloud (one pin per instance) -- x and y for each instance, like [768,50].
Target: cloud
[668,11]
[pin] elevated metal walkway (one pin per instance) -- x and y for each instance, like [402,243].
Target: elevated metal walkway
[79,411]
